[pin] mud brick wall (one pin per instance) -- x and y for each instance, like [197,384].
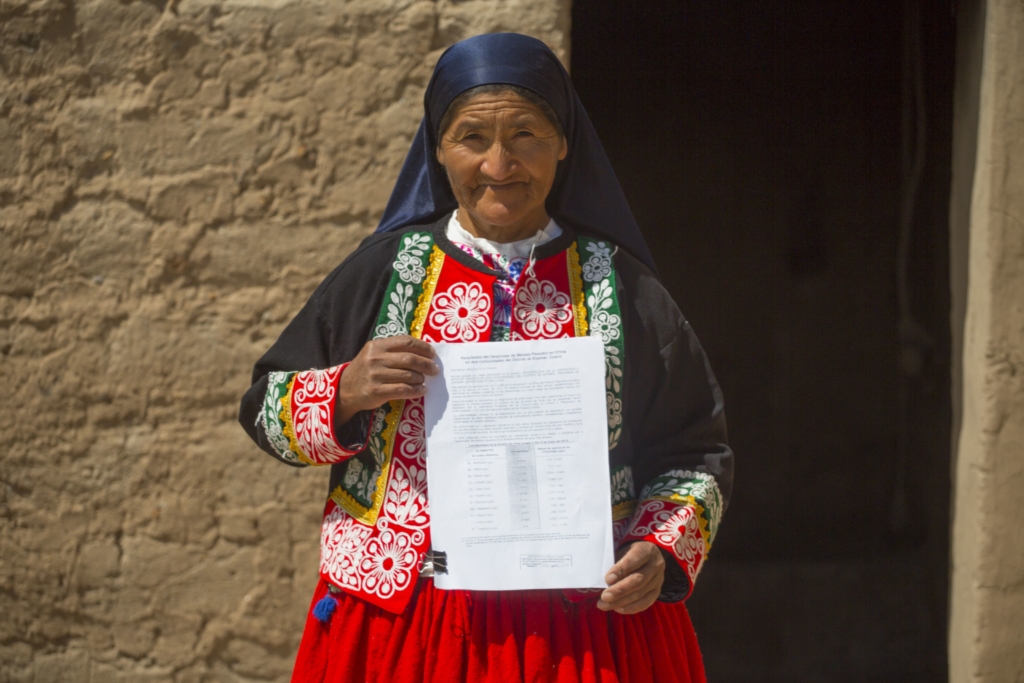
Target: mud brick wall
[175,179]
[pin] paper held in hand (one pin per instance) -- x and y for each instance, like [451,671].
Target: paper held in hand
[517,465]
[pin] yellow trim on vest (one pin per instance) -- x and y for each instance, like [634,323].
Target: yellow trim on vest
[623,510]
[345,500]
[579,310]
[429,285]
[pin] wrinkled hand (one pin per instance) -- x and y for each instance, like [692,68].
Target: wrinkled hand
[634,582]
[385,370]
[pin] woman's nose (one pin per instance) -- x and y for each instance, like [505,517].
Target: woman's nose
[498,163]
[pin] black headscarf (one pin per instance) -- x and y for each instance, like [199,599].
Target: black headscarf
[586,195]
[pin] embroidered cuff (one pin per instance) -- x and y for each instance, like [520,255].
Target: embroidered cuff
[674,528]
[298,417]
[679,512]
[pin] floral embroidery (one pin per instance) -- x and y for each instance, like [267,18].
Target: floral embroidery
[409,262]
[599,265]
[603,323]
[697,489]
[673,527]
[371,489]
[270,416]
[354,472]
[375,561]
[341,539]
[612,370]
[399,306]
[542,309]
[614,410]
[461,313]
[504,287]
[312,413]
[388,562]
[406,500]
[361,490]
[622,484]
[411,430]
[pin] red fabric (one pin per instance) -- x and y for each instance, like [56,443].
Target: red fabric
[462,305]
[675,528]
[543,301]
[521,636]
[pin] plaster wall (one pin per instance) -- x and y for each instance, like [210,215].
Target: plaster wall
[175,179]
[986,640]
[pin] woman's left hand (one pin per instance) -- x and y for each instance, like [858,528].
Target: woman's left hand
[634,582]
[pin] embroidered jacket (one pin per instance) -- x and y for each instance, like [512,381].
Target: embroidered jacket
[666,425]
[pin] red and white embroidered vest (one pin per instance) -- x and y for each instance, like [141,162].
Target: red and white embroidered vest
[376,526]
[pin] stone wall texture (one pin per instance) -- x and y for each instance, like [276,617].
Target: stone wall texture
[175,179]
[987,618]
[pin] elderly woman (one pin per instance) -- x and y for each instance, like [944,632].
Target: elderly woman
[506,223]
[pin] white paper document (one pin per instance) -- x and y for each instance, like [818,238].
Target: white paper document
[517,465]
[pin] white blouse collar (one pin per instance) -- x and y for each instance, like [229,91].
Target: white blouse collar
[510,250]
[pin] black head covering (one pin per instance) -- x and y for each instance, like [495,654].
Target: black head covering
[586,195]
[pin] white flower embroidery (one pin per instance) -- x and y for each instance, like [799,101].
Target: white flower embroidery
[341,539]
[411,431]
[409,268]
[461,313]
[613,371]
[388,562]
[399,307]
[599,265]
[542,309]
[622,485]
[614,410]
[678,484]
[313,415]
[673,526]
[605,326]
[353,470]
[406,500]
[268,417]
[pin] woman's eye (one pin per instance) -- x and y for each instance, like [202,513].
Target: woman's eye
[524,134]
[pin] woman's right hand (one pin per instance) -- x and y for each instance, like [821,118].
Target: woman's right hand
[385,370]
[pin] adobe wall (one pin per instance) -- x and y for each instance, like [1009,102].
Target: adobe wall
[175,179]
[986,640]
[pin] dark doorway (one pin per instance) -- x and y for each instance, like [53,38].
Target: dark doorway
[769,151]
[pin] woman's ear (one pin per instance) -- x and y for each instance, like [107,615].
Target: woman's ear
[563,151]
[440,155]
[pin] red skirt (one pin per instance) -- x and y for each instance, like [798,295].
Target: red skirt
[472,637]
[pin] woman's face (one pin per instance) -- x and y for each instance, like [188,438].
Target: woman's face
[501,154]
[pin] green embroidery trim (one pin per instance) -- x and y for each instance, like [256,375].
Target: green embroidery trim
[622,484]
[364,483]
[604,320]
[270,415]
[697,489]
[623,493]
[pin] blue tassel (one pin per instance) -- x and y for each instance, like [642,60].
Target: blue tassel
[324,608]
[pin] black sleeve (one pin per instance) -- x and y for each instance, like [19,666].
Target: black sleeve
[674,410]
[673,406]
[330,329]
